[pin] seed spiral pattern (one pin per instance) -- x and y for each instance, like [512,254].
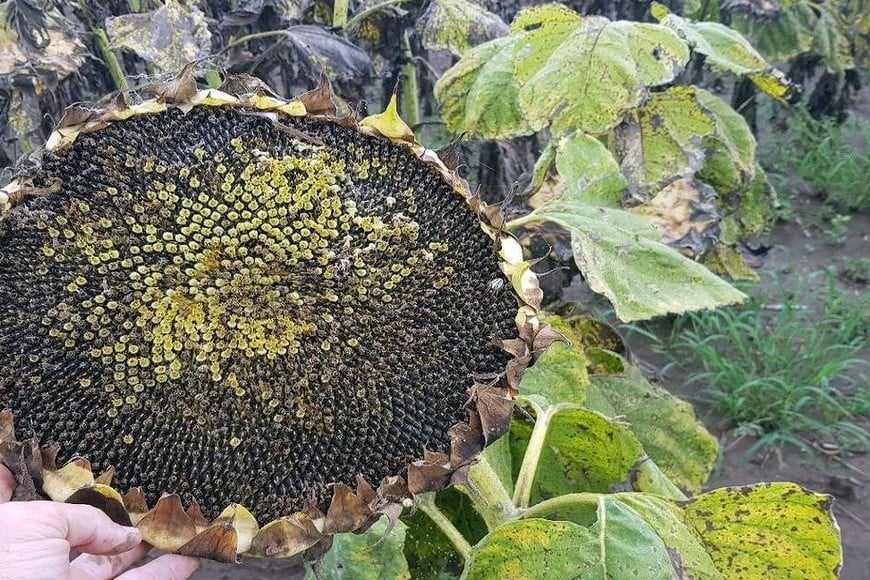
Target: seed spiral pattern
[239,310]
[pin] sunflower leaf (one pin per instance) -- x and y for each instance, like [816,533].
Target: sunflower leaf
[169,37]
[792,530]
[479,94]
[457,25]
[666,426]
[622,258]
[375,554]
[727,50]
[603,457]
[619,544]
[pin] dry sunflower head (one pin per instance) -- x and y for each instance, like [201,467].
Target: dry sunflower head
[243,324]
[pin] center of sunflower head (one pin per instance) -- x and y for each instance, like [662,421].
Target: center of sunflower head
[253,264]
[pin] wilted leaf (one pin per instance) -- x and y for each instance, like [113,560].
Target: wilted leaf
[727,50]
[337,55]
[686,215]
[539,31]
[768,530]
[618,545]
[662,141]
[52,47]
[583,452]
[457,25]
[479,94]
[590,172]
[727,261]
[665,425]
[248,11]
[621,256]
[600,71]
[168,37]
[366,556]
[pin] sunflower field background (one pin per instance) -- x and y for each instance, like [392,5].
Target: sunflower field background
[619,139]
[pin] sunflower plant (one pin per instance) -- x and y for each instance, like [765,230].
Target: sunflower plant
[256,327]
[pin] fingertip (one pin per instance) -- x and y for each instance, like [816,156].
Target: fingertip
[7,484]
[166,567]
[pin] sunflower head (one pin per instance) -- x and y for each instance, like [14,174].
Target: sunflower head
[244,324]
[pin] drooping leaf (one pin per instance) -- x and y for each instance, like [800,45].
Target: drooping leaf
[248,11]
[457,25]
[662,141]
[665,425]
[622,258]
[768,530]
[618,545]
[479,94]
[338,56]
[727,50]
[600,71]
[366,556]
[730,163]
[168,37]
[583,452]
[590,172]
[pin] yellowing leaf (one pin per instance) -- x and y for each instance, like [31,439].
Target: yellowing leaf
[583,452]
[618,545]
[662,141]
[389,124]
[374,554]
[599,71]
[666,426]
[768,530]
[479,94]
[727,50]
[457,25]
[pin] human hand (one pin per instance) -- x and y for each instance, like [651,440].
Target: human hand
[38,536]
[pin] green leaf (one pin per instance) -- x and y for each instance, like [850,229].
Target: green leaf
[366,556]
[665,425]
[662,141]
[169,37]
[457,25]
[618,545]
[559,375]
[583,452]
[727,50]
[600,71]
[479,94]
[621,256]
[768,530]
[590,171]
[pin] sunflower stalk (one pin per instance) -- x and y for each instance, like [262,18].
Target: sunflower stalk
[426,503]
[488,494]
[529,467]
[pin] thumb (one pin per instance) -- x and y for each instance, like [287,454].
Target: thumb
[87,529]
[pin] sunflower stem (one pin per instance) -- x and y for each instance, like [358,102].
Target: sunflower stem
[558,503]
[529,468]
[489,495]
[522,221]
[426,503]
[339,13]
